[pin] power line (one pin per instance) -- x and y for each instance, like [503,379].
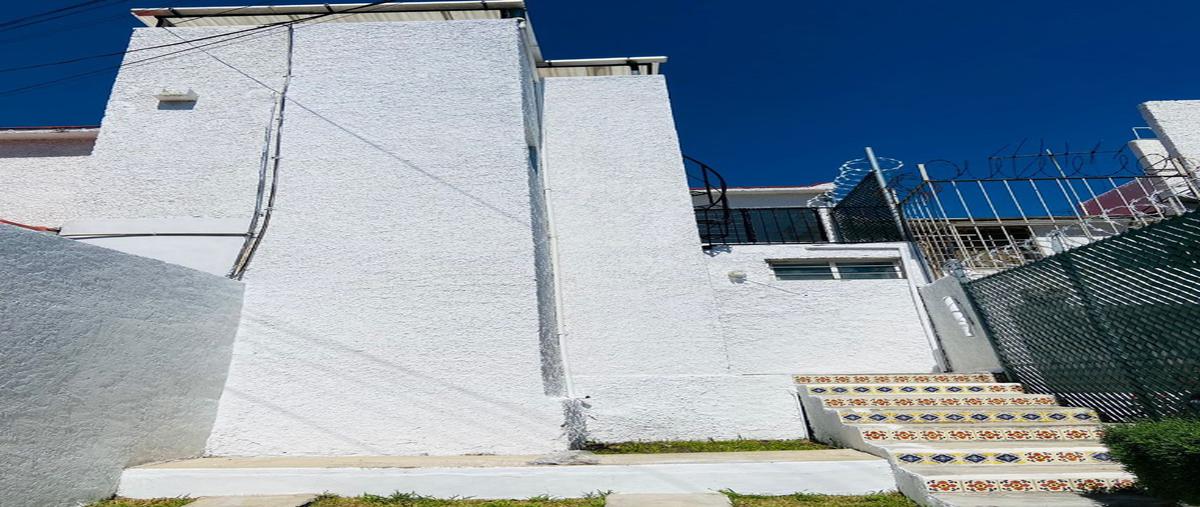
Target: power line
[238,35]
[61,29]
[51,15]
[93,22]
[148,48]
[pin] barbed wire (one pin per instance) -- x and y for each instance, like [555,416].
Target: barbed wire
[850,173]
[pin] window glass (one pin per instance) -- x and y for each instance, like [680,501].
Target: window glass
[822,271]
[863,270]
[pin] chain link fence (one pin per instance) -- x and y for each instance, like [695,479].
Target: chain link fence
[864,216]
[1112,325]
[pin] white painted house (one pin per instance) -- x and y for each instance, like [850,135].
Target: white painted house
[420,207]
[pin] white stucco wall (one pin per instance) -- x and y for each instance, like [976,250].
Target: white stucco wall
[106,360]
[641,327]
[41,179]
[965,353]
[392,308]
[153,161]
[1177,124]
[819,326]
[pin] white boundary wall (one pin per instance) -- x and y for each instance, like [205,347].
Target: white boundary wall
[820,326]
[966,353]
[106,360]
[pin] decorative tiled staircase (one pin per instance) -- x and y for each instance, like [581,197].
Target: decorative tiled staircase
[950,435]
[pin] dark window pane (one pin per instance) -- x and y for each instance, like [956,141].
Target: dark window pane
[803,271]
[868,270]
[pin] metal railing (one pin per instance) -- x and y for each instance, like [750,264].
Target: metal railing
[745,226]
[986,225]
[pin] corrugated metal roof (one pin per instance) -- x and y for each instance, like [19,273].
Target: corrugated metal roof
[358,12]
[256,15]
[632,66]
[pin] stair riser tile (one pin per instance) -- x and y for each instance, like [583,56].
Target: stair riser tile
[893,378]
[867,389]
[1026,485]
[1036,457]
[1050,416]
[967,401]
[980,435]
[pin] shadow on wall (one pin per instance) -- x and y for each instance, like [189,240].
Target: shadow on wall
[108,360]
[378,374]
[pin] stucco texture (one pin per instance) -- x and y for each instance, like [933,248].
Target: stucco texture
[819,326]
[107,360]
[392,307]
[641,329]
[964,353]
[40,184]
[1177,124]
[155,160]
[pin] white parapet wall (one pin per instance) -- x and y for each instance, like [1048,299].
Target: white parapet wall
[1177,125]
[641,328]
[106,360]
[820,326]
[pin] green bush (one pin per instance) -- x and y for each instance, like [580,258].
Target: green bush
[1164,455]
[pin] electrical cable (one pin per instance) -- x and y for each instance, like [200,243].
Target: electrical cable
[54,14]
[237,35]
[189,41]
[93,22]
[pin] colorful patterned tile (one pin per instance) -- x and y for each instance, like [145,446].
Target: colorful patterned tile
[979,486]
[943,486]
[1053,485]
[1086,485]
[890,378]
[1016,485]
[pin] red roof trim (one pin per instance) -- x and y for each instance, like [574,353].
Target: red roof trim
[63,127]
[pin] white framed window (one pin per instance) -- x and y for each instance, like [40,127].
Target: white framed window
[839,269]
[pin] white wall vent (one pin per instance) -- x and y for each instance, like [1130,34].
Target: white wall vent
[168,95]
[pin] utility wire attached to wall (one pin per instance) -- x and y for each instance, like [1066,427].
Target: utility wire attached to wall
[271,157]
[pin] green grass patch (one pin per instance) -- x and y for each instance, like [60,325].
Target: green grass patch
[704,446]
[415,500]
[593,500]
[154,502]
[815,500]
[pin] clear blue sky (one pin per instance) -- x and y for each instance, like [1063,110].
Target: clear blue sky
[784,92]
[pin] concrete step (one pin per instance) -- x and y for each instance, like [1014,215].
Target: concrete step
[939,400]
[833,471]
[880,434]
[1045,500]
[253,501]
[893,378]
[923,388]
[926,480]
[963,415]
[1057,445]
[1027,454]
